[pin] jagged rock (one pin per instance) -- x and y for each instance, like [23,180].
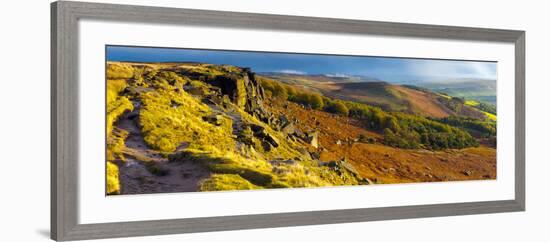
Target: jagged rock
[267,146]
[256,128]
[312,138]
[269,138]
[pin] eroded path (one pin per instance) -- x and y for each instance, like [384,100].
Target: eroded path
[147,171]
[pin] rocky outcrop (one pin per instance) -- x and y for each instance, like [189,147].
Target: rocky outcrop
[242,88]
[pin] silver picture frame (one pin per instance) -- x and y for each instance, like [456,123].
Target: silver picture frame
[64,118]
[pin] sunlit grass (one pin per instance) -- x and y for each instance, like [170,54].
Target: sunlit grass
[119,71]
[170,118]
[226,182]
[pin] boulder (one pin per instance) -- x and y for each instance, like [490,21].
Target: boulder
[288,129]
[312,139]
[266,137]
[268,140]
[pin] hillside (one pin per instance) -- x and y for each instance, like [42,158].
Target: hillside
[385,164]
[182,127]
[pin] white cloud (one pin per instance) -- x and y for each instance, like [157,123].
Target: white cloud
[452,69]
[295,72]
[337,75]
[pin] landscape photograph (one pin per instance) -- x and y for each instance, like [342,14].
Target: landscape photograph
[196,120]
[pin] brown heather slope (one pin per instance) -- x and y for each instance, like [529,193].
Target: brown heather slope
[384,164]
[423,102]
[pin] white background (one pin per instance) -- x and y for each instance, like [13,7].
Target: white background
[24,137]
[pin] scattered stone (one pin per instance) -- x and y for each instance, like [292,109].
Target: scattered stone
[216,119]
[198,90]
[349,167]
[467,173]
[338,142]
[182,146]
[174,104]
[315,155]
[367,181]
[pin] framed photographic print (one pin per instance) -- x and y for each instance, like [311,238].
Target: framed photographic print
[170,120]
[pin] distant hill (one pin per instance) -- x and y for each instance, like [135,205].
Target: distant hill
[390,97]
[474,89]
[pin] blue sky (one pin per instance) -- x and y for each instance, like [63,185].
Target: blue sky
[404,70]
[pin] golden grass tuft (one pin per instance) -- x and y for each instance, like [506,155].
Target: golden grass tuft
[115,145]
[113,183]
[119,71]
[226,182]
[115,109]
